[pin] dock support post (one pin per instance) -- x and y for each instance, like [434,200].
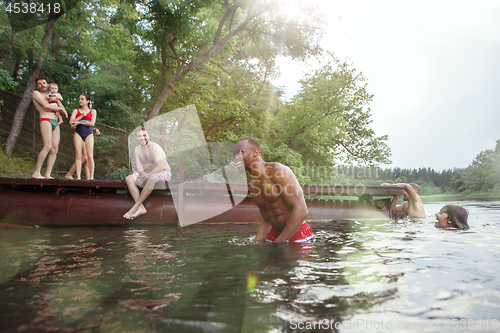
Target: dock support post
[180,194]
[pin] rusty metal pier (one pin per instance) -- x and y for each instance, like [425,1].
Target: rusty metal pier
[63,202]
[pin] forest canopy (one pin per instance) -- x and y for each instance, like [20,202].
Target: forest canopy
[139,59]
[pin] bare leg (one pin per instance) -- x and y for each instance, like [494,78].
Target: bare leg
[51,159]
[89,146]
[138,209]
[77,140]
[134,191]
[133,188]
[87,171]
[72,170]
[46,131]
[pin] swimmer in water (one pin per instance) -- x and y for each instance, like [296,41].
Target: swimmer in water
[452,216]
[413,206]
[277,193]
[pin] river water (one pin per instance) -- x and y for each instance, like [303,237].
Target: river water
[360,276]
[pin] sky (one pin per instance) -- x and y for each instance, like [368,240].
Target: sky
[433,68]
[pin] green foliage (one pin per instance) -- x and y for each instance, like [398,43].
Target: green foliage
[104,146]
[19,166]
[288,157]
[120,173]
[328,120]
[124,53]
[483,174]
[6,81]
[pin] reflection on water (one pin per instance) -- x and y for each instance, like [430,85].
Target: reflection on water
[159,278]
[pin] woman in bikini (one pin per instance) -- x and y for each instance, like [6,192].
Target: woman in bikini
[83,121]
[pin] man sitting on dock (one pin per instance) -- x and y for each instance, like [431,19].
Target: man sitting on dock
[152,167]
[412,205]
[277,193]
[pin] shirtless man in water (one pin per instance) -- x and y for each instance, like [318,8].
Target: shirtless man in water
[277,193]
[49,128]
[412,205]
[152,167]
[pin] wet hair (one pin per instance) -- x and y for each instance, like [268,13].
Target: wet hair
[415,187]
[40,78]
[253,143]
[457,215]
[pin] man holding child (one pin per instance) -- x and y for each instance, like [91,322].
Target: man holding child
[49,128]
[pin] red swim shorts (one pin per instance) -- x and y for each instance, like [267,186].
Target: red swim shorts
[303,235]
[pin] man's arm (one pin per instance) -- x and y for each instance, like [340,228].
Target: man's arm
[264,229]
[415,204]
[51,107]
[394,202]
[140,168]
[265,226]
[138,161]
[159,158]
[294,197]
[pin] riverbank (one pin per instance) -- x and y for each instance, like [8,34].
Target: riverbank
[459,197]
[16,167]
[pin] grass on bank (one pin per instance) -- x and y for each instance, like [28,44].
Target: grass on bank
[16,166]
[494,195]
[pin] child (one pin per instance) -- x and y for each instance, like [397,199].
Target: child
[55,97]
[452,216]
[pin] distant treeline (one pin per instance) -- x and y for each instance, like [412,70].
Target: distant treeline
[482,175]
[428,178]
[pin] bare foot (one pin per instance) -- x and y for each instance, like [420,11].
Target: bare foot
[49,177]
[37,176]
[139,212]
[67,176]
[130,215]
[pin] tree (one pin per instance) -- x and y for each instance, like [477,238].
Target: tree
[483,174]
[328,119]
[93,50]
[30,87]
[232,102]
[191,33]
